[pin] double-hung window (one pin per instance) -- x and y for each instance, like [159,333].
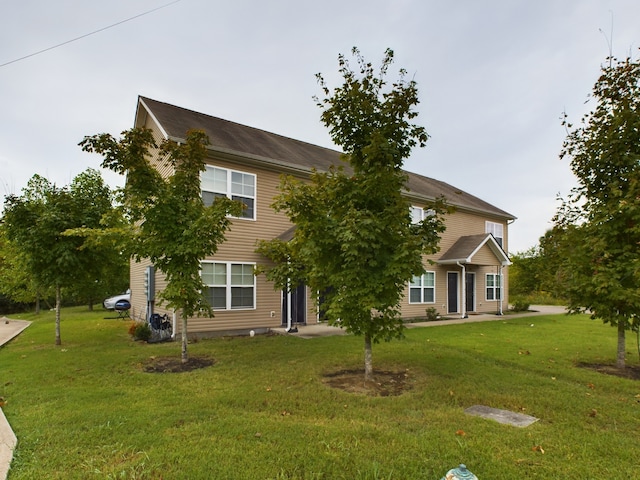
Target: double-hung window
[494,286]
[497,230]
[230,286]
[422,289]
[418,214]
[222,182]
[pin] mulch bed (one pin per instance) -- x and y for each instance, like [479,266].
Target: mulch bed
[385,383]
[175,365]
[630,371]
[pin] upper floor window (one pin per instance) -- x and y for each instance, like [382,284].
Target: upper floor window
[422,289]
[418,214]
[230,286]
[222,182]
[494,286]
[497,230]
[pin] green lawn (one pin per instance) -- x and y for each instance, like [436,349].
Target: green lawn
[86,410]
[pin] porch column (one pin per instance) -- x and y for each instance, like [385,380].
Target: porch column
[463,290]
[501,289]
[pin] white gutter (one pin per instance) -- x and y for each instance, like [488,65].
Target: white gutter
[463,303]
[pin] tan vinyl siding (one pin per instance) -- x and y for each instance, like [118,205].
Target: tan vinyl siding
[138,297]
[458,224]
[484,256]
[244,234]
[267,301]
[163,167]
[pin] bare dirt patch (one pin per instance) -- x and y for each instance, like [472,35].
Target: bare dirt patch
[384,384]
[175,365]
[630,371]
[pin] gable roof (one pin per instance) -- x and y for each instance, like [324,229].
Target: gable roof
[465,248]
[228,137]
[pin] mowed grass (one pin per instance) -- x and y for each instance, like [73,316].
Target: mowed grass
[87,410]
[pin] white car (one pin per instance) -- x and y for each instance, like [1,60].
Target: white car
[110,303]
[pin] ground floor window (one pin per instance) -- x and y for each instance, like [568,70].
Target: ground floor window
[494,286]
[230,286]
[422,289]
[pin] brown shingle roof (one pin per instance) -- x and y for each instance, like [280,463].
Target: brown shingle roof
[466,247]
[249,141]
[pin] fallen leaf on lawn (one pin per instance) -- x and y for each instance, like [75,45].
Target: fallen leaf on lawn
[538,448]
[258,435]
[460,433]
[268,389]
[593,412]
[524,352]
[285,413]
[591,386]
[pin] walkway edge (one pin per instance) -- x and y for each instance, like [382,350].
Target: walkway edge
[8,442]
[9,329]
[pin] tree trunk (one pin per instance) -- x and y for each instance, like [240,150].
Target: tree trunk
[622,323]
[37,304]
[58,307]
[368,361]
[183,329]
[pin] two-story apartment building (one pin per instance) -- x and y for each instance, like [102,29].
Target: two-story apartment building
[467,276]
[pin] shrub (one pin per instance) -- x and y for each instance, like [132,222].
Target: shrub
[520,305]
[140,331]
[432,314]
[132,328]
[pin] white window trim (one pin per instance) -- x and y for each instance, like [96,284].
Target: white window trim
[497,230]
[494,288]
[422,288]
[229,193]
[228,286]
[422,213]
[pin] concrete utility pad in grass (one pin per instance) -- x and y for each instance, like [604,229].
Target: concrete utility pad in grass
[502,416]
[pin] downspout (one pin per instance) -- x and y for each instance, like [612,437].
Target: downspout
[463,290]
[174,320]
[501,290]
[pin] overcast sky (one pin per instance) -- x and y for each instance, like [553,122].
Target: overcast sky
[494,77]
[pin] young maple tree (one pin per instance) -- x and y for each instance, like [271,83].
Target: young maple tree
[169,223]
[601,218]
[354,239]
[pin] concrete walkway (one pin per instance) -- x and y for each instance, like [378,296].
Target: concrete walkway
[324,330]
[9,329]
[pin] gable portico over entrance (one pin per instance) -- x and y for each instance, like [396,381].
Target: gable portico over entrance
[481,250]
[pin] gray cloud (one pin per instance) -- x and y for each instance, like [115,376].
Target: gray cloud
[494,78]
